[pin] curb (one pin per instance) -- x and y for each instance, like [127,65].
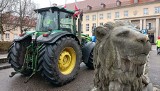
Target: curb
[3,60]
[4,66]
[155,89]
[157,86]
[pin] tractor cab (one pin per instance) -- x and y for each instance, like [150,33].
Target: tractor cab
[55,18]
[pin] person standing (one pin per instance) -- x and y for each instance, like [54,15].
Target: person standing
[158,43]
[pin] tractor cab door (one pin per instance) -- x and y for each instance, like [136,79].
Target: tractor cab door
[66,22]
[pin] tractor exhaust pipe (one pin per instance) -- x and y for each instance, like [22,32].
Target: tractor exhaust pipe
[79,30]
[80,25]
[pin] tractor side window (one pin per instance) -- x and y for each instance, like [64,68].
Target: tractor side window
[47,21]
[66,22]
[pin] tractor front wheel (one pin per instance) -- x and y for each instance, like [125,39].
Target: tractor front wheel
[61,61]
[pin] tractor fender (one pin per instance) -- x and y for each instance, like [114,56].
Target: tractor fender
[54,37]
[19,38]
[86,50]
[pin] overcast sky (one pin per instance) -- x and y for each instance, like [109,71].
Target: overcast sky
[46,3]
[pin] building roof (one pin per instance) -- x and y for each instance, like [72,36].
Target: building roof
[8,18]
[98,4]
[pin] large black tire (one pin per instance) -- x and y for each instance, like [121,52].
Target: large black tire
[50,54]
[16,55]
[89,63]
[41,53]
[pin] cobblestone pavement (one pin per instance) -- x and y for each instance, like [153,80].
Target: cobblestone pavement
[3,56]
[83,82]
[154,67]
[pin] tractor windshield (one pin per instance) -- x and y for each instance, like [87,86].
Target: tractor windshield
[47,21]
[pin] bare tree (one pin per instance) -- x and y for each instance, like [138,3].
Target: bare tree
[5,6]
[25,12]
[16,13]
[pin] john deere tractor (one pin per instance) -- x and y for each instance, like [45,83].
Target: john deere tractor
[55,49]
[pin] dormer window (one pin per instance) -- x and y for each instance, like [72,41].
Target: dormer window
[118,3]
[89,7]
[103,5]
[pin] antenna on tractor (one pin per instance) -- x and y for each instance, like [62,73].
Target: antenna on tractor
[65,4]
[50,3]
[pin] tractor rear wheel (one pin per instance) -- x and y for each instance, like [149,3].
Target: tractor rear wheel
[61,61]
[16,55]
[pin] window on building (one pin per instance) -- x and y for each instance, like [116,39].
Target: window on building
[100,16]
[7,36]
[157,9]
[87,27]
[125,13]
[93,17]
[149,26]
[7,27]
[101,24]
[15,29]
[87,17]
[145,11]
[109,15]
[116,14]
[93,26]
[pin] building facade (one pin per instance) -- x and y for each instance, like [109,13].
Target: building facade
[12,33]
[144,14]
[11,26]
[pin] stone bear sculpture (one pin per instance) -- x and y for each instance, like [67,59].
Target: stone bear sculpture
[120,56]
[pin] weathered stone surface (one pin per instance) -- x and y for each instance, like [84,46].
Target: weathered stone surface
[120,58]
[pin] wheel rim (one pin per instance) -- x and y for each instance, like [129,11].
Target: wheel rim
[67,60]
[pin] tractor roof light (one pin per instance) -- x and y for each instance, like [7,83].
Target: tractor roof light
[34,37]
[45,35]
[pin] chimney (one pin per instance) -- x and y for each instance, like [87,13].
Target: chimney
[118,3]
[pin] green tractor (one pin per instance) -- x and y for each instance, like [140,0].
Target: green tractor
[55,49]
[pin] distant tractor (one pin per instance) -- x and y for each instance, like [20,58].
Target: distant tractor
[55,49]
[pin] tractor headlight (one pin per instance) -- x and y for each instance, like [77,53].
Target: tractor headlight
[33,36]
